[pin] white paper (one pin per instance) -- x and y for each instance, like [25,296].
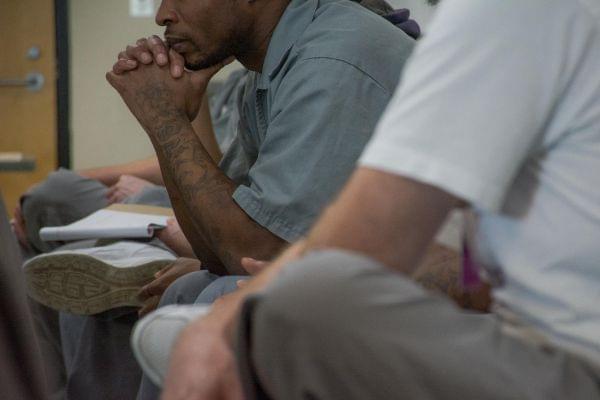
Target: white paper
[105,224]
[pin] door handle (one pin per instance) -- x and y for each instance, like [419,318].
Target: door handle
[34,82]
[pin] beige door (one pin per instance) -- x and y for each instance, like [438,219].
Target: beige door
[27,118]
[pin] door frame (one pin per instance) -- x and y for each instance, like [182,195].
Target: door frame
[61,16]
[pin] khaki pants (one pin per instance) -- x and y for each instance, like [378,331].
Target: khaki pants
[339,326]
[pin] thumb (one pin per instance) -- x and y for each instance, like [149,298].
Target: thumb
[201,77]
[176,64]
[253,266]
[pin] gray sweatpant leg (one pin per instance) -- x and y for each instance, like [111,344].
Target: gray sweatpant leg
[339,326]
[220,287]
[63,198]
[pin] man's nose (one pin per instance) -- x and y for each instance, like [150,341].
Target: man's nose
[165,15]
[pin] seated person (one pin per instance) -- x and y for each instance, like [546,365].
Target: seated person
[507,124]
[298,137]
[67,196]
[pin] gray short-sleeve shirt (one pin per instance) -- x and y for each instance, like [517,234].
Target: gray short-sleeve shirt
[330,70]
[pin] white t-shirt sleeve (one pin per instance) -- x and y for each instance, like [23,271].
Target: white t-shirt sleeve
[475,98]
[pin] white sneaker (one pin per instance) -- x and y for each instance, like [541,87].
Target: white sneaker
[154,336]
[89,281]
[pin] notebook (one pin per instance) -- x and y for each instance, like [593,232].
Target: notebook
[115,221]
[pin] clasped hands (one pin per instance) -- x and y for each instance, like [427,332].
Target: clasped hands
[155,86]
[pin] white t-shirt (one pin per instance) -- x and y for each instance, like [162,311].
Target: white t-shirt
[500,106]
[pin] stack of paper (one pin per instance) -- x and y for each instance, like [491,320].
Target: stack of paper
[117,221]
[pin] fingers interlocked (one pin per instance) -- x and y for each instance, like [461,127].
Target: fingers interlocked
[146,51]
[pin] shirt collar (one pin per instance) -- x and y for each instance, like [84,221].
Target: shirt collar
[294,21]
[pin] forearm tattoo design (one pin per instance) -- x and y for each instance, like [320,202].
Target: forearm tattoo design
[189,163]
[201,184]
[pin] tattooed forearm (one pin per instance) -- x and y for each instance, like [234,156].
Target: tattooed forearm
[185,154]
[204,189]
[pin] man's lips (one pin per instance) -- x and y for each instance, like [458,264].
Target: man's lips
[176,43]
[180,47]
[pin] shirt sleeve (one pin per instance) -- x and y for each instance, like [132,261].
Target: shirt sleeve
[475,97]
[322,116]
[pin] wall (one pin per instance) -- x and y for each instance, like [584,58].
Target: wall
[103,130]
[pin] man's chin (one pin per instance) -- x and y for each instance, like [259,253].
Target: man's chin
[194,66]
[197,65]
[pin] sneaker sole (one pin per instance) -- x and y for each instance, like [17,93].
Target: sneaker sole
[82,284]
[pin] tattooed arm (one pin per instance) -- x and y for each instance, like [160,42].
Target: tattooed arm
[216,226]
[206,194]
[148,168]
[203,127]
[200,244]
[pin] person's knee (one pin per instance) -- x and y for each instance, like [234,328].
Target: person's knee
[62,192]
[327,301]
[185,289]
[222,286]
[55,189]
[303,313]
[326,291]
[62,198]
[322,283]
[315,295]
